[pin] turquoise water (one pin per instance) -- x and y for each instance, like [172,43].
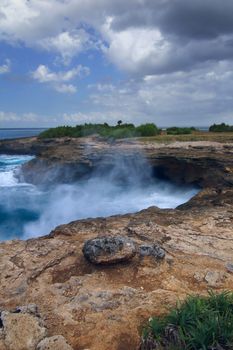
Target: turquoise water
[30,211]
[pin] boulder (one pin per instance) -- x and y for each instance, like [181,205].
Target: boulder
[109,250]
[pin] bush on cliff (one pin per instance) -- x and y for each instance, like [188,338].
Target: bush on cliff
[148,129]
[221,128]
[199,323]
[118,131]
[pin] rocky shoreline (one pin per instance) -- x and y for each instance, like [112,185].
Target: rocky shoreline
[71,302]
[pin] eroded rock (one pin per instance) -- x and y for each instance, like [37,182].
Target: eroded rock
[22,331]
[57,342]
[109,250]
[152,250]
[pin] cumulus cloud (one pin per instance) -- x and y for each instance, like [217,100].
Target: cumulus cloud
[58,80]
[68,44]
[176,55]
[139,36]
[5,67]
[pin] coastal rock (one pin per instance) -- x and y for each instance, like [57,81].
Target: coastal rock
[109,250]
[98,308]
[21,331]
[57,342]
[152,250]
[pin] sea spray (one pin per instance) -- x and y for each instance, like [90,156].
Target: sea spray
[120,184]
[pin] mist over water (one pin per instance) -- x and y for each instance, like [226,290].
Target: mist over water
[124,187]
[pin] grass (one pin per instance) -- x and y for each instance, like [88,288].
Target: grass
[199,323]
[195,136]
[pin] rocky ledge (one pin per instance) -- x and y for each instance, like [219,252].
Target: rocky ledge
[92,284]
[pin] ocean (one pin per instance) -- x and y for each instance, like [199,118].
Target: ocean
[19,132]
[29,211]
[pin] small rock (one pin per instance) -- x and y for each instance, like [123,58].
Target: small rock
[199,276]
[152,250]
[57,342]
[109,250]
[21,331]
[214,278]
[229,267]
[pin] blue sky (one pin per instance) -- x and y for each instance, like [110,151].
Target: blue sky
[70,62]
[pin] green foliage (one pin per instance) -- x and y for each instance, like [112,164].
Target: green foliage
[149,129]
[221,128]
[199,323]
[116,132]
[179,131]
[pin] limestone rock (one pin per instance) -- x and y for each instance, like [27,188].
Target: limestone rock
[21,331]
[152,250]
[214,278]
[57,342]
[109,250]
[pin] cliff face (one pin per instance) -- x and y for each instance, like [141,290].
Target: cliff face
[208,164]
[103,307]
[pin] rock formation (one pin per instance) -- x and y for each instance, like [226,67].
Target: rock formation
[81,305]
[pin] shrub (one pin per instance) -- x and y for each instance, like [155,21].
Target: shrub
[199,323]
[221,128]
[179,131]
[119,131]
[149,129]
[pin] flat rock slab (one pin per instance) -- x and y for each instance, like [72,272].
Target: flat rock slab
[109,250]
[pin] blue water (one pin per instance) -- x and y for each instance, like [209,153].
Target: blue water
[29,211]
[18,133]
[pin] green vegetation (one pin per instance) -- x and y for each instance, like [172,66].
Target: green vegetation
[119,131]
[179,131]
[199,323]
[221,128]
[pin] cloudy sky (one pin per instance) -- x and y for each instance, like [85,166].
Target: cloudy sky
[75,61]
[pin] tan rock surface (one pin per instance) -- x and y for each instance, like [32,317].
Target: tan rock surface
[105,307]
[57,342]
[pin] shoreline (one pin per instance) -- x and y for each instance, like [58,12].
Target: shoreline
[104,307]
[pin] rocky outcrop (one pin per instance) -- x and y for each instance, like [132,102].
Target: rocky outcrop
[179,252]
[208,164]
[102,307]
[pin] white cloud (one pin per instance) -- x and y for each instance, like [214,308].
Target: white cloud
[130,49]
[65,88]
[5,68]
[67,44]
[58,80]
[14,117]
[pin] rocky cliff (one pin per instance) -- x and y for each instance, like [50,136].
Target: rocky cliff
[53,297]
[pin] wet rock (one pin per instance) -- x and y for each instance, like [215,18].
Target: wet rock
[57,342]
[22,331]
[109,250]
[152,250]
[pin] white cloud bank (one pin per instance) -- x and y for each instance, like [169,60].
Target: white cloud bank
[58,80]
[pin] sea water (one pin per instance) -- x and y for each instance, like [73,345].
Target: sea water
[28,211]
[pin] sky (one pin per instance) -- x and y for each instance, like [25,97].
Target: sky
[67,62]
